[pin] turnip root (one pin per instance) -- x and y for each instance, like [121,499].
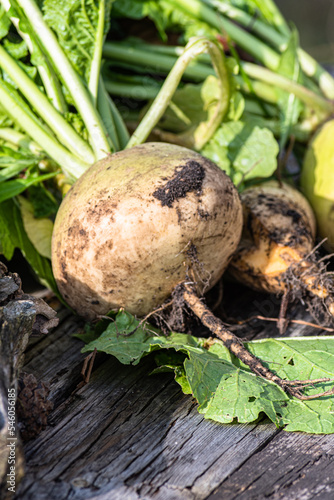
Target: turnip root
[125,232]
[275,251]
[317,181]
[139,226]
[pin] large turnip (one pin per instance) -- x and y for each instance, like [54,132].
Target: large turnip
[137,223]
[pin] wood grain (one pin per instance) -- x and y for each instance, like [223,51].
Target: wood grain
[130,435]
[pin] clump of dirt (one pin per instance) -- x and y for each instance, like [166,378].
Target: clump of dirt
[187,178]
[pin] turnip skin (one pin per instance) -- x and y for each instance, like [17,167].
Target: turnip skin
[279,231]
[317,181]
[277,245]
[116,244]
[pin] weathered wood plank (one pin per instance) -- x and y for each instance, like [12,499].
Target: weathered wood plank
[130,435]
[291,466]
[20,315]
[126,431]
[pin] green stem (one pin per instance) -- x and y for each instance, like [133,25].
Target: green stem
[313,69]
[313,100]
[95,67]
[279,41]
[106,115]
[301,131]
[52,87]
[265,31]
[277,16]
[260,89]
[258,49]
[28,122]
[205,130]
[50,81]
[158,62]
[147,59]
[264,83]
[258,108]
[132,91]
[62,129]
[122,131]
[80,95]
[149,92]
[23,141]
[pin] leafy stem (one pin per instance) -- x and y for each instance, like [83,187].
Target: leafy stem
[79,93]
[306,95]
[245,40]
[279,40]
[20,140]
[95,68]
[264,81]
[205,130]
[44,68]
[27,121]
[63,130]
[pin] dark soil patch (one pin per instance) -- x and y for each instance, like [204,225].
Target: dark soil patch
[187,178]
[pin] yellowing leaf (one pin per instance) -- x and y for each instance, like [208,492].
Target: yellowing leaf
[39,231]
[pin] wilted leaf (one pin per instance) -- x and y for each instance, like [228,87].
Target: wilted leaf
[13,235]
[39,231]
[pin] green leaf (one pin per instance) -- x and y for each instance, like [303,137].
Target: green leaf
[15,166]
[244,150]
[119,340]
[42,200]
[225,392]
[89,333]
[4,22]
[224,388]
[17,50]
[13,235]
[303,358]
[76,25]
[191,105]
[15,11]
[179,20]
[195,103]
[39,231]
[15,187]
[314,417]
[137,9]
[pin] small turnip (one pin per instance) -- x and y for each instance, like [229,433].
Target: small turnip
[275,253]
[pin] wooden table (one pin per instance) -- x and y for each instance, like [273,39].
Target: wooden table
[127,435]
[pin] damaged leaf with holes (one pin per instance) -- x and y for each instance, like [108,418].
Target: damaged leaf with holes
[224,388]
